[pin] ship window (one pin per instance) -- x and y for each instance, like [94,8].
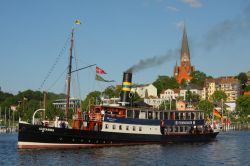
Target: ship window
[140,128]
[114,127]
[156,115]
[172,115]
[134,128]
[177,116]
[127,127]
[161,115]
[181,129]
[137,113]
[150,115]
[165,115]
[120,127]
[182,116]
[143,115]
[130,114]
[106,126]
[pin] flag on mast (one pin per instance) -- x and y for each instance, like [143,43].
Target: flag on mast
[99,78]
[99,70]
[217,114]
[78,22]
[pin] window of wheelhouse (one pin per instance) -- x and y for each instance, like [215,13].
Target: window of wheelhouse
[143,115]
[134,128]
[161,115]
[177,115]
[156,115]
[188,116]
[130,114]
[172,116]
[120,127]
[165,115]
[106,126]
[182,115]
[136,114]
[150,115]
[114,127]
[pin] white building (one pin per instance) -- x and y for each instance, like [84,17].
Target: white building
[200,92]
[74,103]
[145,91]
[169,94]
[154,102]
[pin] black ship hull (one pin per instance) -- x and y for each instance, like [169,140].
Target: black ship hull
[38,136]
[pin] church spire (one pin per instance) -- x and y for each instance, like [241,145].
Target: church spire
[185,55]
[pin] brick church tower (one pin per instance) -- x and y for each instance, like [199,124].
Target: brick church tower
[183,71]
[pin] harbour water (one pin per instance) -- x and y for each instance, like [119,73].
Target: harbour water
[230,148]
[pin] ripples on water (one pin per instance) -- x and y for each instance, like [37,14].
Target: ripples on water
[232,148]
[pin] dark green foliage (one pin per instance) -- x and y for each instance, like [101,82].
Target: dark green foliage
[4,96]
[243,106]
[206,106]
[218,96]
[27,102]
[112,91]
[243,78]
[192,97]
[92,98]
[198,78]
[247,88]
[165,82]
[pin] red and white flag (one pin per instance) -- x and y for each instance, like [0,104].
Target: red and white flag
[99,70]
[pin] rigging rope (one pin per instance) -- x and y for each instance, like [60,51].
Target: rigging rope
[55,63]
[77,75]
[54,83]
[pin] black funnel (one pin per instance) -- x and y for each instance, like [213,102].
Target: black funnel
[126,88]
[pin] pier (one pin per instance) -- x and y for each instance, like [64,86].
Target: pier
[11,129]
[236,126]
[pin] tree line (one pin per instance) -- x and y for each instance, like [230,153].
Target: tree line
[28,101]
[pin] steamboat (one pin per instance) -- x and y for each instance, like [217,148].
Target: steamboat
[115,125]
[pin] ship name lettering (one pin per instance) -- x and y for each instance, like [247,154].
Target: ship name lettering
[46,129]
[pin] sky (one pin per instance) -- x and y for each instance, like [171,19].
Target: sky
[116,35]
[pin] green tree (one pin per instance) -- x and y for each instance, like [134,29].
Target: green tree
[198,78]
[218,96]
[27,102]
[112,91]
[206,106]
[165,82]
[192,98]
[243,106]
[242,77]
[91,98]
[247,88]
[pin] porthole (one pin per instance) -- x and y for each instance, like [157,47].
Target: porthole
[134,128]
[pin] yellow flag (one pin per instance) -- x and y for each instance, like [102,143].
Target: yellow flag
[78,22]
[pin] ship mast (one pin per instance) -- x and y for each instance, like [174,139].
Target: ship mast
[69,74]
